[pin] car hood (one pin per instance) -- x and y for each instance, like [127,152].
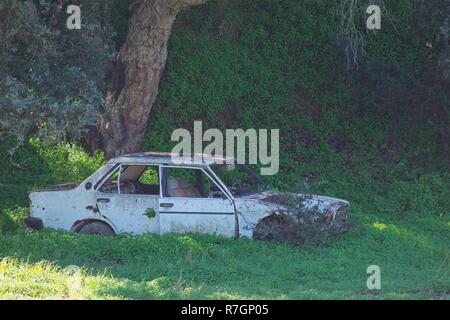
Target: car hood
[282,199]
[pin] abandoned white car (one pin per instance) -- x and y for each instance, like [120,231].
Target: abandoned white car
[149,192]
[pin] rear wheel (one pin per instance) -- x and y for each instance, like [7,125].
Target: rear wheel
[97,228]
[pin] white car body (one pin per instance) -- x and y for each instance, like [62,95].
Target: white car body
[229,215]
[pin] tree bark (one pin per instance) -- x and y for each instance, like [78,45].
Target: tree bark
[136,75]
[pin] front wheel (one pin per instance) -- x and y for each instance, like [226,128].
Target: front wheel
[275,227]
[97,228]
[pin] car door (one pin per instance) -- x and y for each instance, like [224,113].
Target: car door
[130,211]
[184,208]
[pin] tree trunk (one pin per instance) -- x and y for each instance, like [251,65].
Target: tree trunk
[136,75]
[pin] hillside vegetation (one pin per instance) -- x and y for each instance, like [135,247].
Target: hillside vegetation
[376,135]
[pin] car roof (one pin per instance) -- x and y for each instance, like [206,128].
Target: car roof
[168,158]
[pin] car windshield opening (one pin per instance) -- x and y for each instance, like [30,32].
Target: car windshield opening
[240,179]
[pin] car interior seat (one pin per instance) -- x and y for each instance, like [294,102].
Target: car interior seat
[181,188]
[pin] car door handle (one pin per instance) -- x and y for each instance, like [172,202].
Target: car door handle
[104,200]
[166,205]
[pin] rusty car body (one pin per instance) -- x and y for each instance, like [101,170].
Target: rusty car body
[189,195]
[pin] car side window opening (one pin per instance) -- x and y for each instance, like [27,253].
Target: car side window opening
[110,185]
[189,183]
[240,179]
[133,179]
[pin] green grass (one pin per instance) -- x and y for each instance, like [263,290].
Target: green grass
[400,225]
[413,258]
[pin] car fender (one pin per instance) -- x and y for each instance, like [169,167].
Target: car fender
[77,225]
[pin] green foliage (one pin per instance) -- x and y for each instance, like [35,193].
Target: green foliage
[150,212]
[261,64]
[43,164]
[359,136]
[119,14]
[53,78]
[12,218]
[150,176]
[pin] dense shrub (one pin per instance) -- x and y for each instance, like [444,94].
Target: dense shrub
[53,79]
[43,164]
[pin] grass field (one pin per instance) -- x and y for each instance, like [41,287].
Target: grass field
[413,260]
[412,250]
